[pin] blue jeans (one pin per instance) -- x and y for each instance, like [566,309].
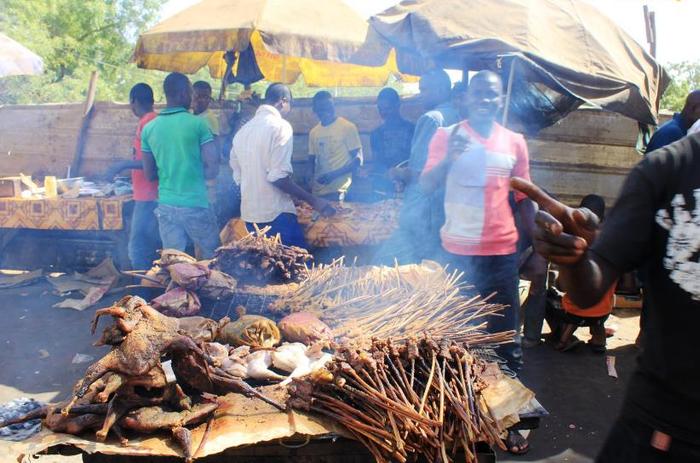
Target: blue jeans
[144,237]
[499,274]
[287,225]
[177,224]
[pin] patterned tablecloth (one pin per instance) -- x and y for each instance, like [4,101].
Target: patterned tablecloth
[64,214]
[355,224]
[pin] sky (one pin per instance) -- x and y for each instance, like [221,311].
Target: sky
[676,21]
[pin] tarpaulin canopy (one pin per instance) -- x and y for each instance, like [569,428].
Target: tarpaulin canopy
[16,60]
[314,38]
[565,51]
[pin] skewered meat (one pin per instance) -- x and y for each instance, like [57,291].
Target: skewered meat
[258,259]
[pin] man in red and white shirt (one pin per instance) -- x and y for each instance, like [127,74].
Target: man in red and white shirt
[475,160]
[144,238]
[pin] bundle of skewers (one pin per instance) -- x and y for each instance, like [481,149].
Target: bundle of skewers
[405,399]
[361,303]
[259,259]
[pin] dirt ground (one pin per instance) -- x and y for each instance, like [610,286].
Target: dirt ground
[39,342]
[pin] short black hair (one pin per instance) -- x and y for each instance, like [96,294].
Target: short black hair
[275,92]
[202,85]
[175,83]
[439,78]
[321,96]
[459,88]
[390,95]
[595,204]
[142,94]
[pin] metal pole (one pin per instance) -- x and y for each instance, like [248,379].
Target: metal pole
[509,90]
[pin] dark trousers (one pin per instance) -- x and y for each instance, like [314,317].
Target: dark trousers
[499,274]
[287,225]
[630,440]
[144,237]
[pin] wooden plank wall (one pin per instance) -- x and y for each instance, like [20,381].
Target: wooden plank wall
[589,151]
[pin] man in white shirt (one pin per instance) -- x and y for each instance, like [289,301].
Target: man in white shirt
[261,160]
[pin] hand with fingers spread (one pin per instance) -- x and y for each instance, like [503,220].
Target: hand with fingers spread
[563,234]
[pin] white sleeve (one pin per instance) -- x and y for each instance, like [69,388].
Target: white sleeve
[233,162]
[281,154]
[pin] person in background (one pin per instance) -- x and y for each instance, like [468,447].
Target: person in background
[179,151]
[652,225]
[335,150]
[474,160]
[261,160]
[391,141]
[201,98]
[572,316]
[677,128]
[144,239]
[421,214]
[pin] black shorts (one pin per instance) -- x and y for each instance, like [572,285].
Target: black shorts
[629,441]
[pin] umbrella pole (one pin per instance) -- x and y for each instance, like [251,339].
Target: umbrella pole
[509,91]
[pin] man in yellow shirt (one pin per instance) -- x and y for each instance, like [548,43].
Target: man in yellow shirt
[201,97]
[335,149]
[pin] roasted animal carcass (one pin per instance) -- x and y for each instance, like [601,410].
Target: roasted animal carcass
[147,336]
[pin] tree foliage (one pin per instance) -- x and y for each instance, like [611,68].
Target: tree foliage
[686,78]
[75,37]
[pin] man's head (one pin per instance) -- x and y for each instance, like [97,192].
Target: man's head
[388,104]
[595,204]
[279,96]
[141,99]
[484,98]
[201,96]
[178,90]
[691,109]
[323,107]
[435,87]
[459,98]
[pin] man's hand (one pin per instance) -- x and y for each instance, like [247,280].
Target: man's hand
[457,144]
[323,207]
[563,234]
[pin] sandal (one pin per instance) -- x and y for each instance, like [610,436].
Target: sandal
[516,443]
[569,345]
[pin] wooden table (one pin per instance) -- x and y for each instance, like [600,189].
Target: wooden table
[99,225]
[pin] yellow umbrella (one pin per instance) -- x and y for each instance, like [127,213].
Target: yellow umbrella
[313,38]
[16,60]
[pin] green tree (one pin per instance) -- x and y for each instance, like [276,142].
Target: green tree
[686,78]
[75,37]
